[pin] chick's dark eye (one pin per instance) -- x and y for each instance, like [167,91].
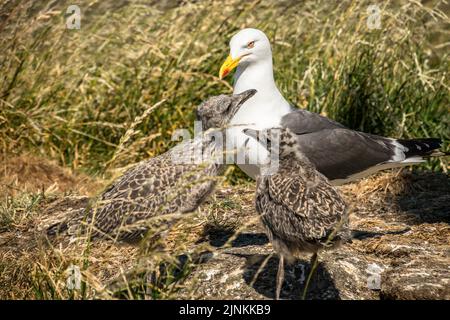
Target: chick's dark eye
[251,44]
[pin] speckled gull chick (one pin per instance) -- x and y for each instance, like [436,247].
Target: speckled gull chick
[300,209]
[340,153]
[159,186]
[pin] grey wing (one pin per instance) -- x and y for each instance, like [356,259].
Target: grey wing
[154,187]
[309,204]
[140,173]
[117,217]
[150,173]
[150,191]
[303,121]
[340,153]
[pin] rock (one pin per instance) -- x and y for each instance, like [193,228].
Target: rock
[423,278]
[401,249]
[400,254]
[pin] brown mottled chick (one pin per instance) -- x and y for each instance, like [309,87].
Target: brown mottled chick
[300,209]
[173,183]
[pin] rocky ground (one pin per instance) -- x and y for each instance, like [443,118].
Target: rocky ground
[404,253]
[401,249]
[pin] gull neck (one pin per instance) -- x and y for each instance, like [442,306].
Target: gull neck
[256,75]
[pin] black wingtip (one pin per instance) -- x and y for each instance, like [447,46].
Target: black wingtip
[361,234]
[420,147]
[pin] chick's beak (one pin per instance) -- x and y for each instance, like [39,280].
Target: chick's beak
[228,65]
[239,99]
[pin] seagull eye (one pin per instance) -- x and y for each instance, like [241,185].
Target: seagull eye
[251,44]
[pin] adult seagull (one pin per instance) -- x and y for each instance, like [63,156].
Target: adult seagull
[341,154]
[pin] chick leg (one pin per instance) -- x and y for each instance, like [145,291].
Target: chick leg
[313,264]
[280,276]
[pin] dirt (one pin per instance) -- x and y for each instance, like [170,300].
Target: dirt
[402,253]
[28,173]
[402,249]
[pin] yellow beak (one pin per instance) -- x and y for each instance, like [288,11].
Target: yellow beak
[228,65]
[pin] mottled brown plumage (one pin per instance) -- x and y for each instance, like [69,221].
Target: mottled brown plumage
[300,209]
[173,183]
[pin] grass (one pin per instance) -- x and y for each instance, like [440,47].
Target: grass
[73,94]
[33,268]
[98,99]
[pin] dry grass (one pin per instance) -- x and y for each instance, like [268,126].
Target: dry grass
[33,268]
[28,173]
[72,95]
[79,106]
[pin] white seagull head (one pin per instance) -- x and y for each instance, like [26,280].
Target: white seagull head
[251,55]
[248,46]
